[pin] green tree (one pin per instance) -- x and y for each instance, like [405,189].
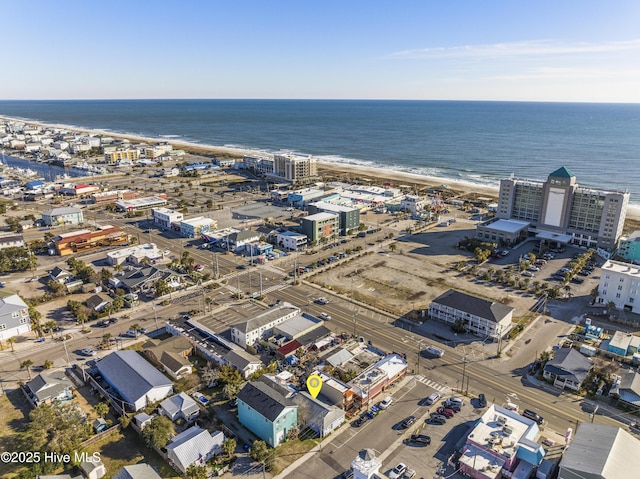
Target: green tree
[11,340]
[35,316]
[230,390]
[229,446]
[50,326]
[48,364]
[162,288]
[230,375]
[56,288]
[101,409]
[26,364]
[157,433]
[259,451]
[196,472]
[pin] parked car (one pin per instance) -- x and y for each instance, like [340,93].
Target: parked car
[409,474]
[437,419]
[454,406]
[533,415]
[364,417]
[87,352]
[446,412]
[386,402]
[397,471]
[420,440]
[199,268]
[432,399]
[482,400]
[407,422]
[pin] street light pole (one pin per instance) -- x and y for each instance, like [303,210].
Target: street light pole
[464,370]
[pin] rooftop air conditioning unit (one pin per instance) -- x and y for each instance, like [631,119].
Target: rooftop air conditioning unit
[507,429]
[502,420]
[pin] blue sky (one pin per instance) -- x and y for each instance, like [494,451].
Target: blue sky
[574,50]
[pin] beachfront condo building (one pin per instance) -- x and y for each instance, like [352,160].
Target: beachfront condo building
[620,285]
[295,168]
[559,211]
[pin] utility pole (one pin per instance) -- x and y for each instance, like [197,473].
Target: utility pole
[217,270]
[155,315]
[464,371]
[260,273]
[419,354]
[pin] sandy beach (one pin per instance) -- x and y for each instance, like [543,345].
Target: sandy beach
[326,169]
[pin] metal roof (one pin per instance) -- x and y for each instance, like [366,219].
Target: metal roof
[487,309]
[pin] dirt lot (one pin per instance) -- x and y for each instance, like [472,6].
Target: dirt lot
[417,272]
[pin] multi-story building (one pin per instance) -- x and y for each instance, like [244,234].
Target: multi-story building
[376,379]
[348,216]
[320,225]
[129,154]
[304,196]
[561,211]
[264,165]
[502,444]
[295,168]
[64,215]
[194,227]
[479,316]
[629,247]
[110,197]
[291,241]
[165,217]
[249,332]
[14,317]
[620,285]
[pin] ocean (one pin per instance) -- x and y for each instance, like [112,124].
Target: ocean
[470,141]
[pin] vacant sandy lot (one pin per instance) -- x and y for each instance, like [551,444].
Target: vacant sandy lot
[417,272]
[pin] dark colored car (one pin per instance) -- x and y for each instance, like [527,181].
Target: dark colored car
[482,400]
[420,440]
[364,417]
[533,415]
[445,412]
[408,422]
[454,406]
[438,419]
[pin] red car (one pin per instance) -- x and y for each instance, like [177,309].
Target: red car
[445,412]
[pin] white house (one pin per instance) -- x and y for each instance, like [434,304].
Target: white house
[194,446]
[250,331]
[180,406]
[291,240]
[14,317]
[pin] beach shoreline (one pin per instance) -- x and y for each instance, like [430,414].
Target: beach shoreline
[347,171]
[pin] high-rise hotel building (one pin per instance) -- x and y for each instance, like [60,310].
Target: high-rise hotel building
[559,210]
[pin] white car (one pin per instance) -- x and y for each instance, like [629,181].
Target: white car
[166,252]
[397,471]
[322,301]
[87,352]
[386,402]
[325,316]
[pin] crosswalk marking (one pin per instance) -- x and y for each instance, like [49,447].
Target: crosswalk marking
[433,384]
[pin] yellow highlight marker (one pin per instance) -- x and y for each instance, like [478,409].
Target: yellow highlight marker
[314,385]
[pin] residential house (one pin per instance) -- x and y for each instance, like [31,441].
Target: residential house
[47,388]
[11,240]
[600,452]
[623,344]
[194,446]
[245,363]
[266,413]
[98,302]
[238,241]
[60,275]
[14,317]
[291,241]
[502,444]
[629,247]
[323,418]
[627,389]
[180,406]
[171,355]
[137,255]
[482,317]
[135,379]
[64,215]
[137,471]
[138,280]
[567,369]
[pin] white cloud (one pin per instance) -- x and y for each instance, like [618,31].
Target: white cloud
[568,74]
[519,49]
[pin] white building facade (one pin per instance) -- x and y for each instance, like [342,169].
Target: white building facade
[620,285]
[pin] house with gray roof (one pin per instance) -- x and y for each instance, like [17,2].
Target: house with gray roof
[171,355]
[627,389]
[137,471]
[14,317]
[479,316]
[245,363]
[251,331]
[194,446]
[136,280]
[266,412]
[567,369]
[180,406]
[49,388]
[600,452]
[322,417]
[65,215]
[136,381]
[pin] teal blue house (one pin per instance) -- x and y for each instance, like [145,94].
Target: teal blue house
[266,412]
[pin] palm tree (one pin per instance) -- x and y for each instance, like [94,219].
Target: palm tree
[50,325]
[11,340]
[48,364]
[26,364]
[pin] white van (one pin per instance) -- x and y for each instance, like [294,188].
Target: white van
[386,402]
[432,350]
[512,407]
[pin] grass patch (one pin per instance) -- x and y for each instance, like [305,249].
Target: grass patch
[126,447]
[13,421]
[289,452]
